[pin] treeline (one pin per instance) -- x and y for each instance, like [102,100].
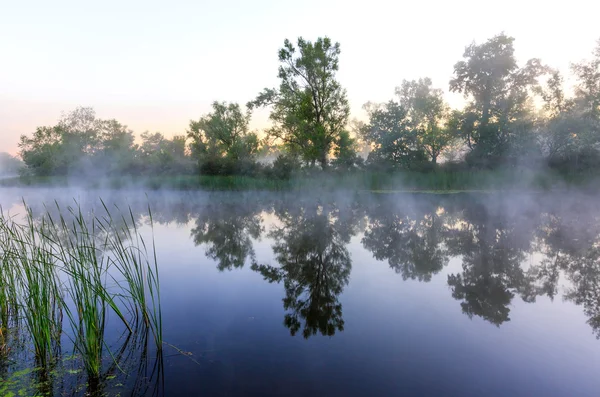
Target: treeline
[515,116]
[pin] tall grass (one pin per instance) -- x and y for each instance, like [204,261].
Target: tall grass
[33,285]
[139,269]
[88,267]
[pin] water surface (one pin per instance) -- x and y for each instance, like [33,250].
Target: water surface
[364,294]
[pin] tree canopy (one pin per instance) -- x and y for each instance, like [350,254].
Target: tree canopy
[310,108]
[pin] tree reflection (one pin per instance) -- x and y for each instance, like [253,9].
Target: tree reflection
[570,243]
[493,246]
[410,239]
[314,265]
[227,228]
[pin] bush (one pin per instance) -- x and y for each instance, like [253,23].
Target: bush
[285,166]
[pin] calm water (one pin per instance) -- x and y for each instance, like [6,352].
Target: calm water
[364,295]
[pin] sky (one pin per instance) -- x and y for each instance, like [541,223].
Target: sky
[155,65]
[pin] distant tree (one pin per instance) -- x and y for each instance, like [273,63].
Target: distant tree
[222,136]
[587,89]
[116,151]
[310,108]
[570,131]
[392,137]
[158,154]
[285,166]
[345,152]
[64,148]
[42,152]
[9,165]
[498,114]
[427,111]
[553,95]
[80,143]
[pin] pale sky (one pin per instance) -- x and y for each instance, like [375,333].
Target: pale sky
[154,65]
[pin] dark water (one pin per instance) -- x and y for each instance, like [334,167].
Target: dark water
[364,295]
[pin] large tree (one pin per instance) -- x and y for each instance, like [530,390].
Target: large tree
[310,108]
[428,112]
[498,113]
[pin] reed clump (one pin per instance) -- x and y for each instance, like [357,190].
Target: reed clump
[82,267]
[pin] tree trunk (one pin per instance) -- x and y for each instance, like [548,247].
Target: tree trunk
[323,160]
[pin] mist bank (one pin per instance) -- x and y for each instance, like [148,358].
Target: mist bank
[442,181]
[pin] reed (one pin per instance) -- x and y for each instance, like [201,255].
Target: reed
[85,267]
[30,285]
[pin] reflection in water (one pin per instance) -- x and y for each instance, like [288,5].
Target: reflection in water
[508,246]
[493,246]
[411,240]
[227,228]
[571,248]
[314,265]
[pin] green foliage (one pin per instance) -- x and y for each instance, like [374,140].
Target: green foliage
[587,93]
[79,144]
[427,111]
[285,166]
[393,138]
[162,156]
[345,153]
[221,142]
[310,108]
[499,112]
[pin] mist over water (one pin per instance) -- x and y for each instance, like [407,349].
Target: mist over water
[367,294]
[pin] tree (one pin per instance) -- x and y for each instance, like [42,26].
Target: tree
[159,155]
[42,152]
[587,90]
[499,92]
[570,130]
[116,151]
[65,148]
[393,139]
[80,143]
[310,108]
[345,152]
[427,111]
[222,137]
[9,165]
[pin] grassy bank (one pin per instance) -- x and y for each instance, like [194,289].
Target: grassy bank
[433,181]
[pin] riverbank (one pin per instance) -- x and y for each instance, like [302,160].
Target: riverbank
[421,182]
